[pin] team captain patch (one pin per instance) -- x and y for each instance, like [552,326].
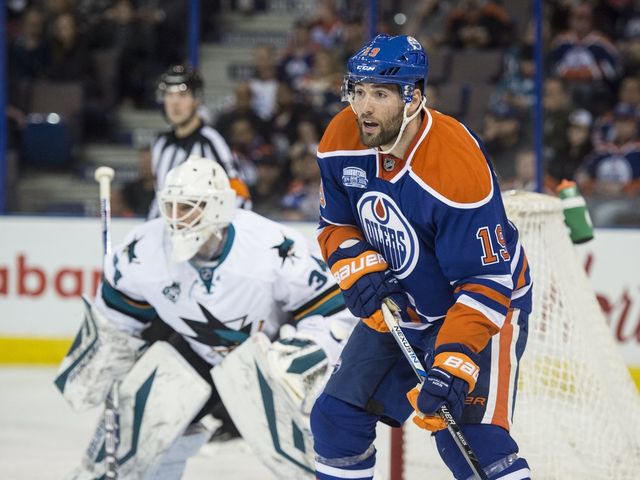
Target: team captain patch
[389,232]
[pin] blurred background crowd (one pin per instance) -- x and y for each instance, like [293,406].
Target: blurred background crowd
[83,76]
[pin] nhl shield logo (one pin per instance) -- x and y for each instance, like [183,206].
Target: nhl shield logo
[172,292]
[389,232]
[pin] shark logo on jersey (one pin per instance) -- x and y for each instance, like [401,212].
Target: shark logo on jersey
[130,250]
[172,292]
[223,336]
[389,232]
[354,177]
[285,250]
[117,274]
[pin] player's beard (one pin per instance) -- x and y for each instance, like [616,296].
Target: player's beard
[387,133]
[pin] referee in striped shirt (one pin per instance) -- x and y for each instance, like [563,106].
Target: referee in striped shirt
[180,90]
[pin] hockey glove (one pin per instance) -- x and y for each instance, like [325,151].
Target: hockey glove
[449,380]
[365,281]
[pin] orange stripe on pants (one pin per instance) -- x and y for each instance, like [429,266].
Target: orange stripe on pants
[503,397]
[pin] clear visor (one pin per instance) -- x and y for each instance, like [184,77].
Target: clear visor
[350,81]
[163,89]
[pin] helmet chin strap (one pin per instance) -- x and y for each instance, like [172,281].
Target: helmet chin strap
[405,122]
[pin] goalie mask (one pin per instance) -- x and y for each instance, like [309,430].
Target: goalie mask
[399,60]
[196,203]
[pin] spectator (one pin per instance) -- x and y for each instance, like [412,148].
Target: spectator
[525,172]
[301,200]
[264,81]
[242,109]
[326,28]
[502,138]
[138,194]
[352,39]
[271,181]
[573,152]
[28,56]
[248,149]
[516,87]
[613,169]
[477,24]
[297,59]
[557,107]
[288,115]
[322,87]
[587,60]
[69,60]
[628,93]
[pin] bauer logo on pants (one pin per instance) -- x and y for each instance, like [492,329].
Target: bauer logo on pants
[389,232]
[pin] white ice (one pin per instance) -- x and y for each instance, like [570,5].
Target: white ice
[42,438]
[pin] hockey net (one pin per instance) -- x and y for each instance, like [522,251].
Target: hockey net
[577,414]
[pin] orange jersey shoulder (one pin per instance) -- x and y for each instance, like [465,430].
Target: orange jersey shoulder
[342,133]
[450,162]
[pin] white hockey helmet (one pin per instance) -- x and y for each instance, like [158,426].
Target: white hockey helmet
[196,202]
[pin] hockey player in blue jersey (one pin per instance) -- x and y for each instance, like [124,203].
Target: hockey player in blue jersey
[410,209]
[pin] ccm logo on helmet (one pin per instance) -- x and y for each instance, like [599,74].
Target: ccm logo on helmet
[367,68]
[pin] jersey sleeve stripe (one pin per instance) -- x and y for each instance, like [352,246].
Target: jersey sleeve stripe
[467,324]
[487,302]
[485,291]
[118,301]
[493,315]
[523,277]
[331,236]
[329,303]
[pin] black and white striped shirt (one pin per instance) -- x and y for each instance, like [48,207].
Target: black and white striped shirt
[169,151]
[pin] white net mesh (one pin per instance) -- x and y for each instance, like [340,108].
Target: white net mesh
[578,412]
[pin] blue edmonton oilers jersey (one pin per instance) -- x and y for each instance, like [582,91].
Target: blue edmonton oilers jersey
[436,216]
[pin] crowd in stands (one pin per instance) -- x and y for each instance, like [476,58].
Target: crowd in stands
[482,72]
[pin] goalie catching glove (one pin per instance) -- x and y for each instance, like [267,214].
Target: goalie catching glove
[450,379]
[365,280]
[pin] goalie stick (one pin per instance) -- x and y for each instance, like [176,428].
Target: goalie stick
[104,175]
[454,429]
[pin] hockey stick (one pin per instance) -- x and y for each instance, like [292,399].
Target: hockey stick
[454,429]
[104,175]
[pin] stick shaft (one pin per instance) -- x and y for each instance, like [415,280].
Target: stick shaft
[103,176]
[453,427]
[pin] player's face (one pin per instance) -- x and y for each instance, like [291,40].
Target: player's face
[180,106]
[379,109]
[185,215]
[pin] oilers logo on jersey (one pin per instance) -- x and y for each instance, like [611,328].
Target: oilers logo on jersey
[389,232]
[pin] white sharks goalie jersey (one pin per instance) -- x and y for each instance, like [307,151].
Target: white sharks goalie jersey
[264,277]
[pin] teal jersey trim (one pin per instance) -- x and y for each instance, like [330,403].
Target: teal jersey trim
[206,273]
[115,299]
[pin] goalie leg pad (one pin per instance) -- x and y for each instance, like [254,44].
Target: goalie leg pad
[172,464]
[159,398]
[494,447]
[343,439]
[99,355]
[263,408]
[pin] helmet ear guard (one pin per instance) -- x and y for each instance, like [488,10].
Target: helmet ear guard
[196,202]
